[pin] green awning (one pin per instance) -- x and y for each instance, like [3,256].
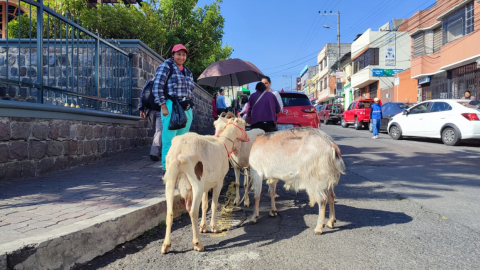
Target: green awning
[246,91]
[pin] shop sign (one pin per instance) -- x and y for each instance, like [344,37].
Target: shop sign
[379,72]
[424,80]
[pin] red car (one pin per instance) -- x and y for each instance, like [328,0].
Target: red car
[297,111]
[330,113]
[358,114]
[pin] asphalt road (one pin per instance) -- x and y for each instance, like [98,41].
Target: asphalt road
[402,205]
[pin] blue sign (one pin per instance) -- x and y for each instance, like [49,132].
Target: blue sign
[380,72]
[312,95]
[377,72]
[424,80]
[396,71]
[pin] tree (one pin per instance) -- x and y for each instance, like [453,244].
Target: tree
[160,24]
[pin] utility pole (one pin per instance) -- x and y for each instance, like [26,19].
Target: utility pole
[338,42]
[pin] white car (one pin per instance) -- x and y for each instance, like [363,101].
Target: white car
[452,120]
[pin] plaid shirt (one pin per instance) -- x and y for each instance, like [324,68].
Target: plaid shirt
[178,86]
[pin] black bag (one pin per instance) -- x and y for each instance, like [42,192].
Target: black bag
[178,117]
[148,99]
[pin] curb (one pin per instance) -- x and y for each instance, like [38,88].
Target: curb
[81,242]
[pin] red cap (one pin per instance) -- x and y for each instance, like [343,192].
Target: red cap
[179,47]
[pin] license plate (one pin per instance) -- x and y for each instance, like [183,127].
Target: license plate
[284,127]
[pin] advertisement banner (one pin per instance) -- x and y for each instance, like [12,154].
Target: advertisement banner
[390,51]
[379,72]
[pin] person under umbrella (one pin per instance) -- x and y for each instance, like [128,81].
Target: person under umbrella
[263,109]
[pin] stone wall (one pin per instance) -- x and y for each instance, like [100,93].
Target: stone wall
[73,70]
[35,146]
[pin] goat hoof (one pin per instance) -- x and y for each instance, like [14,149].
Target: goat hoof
[199,247]
[272,213]
[318,232]
[247,205]
[331,224]
[165,248]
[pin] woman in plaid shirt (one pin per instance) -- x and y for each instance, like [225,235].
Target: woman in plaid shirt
[180,86]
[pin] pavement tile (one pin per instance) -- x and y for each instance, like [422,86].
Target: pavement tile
[37,205]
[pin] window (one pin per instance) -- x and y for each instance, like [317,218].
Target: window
[441,107]
[325,83]
[437,40]
[290,100]
[418,45]
[420,108]
[321,66]
[369,57]
[321,85]
[351,105]
[458,24]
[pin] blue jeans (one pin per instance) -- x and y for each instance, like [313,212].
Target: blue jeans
[376,126]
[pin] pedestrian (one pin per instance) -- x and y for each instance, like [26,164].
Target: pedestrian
[266,80]
[468,95]
[214,106]
[221,105]
[244,111]
[179,86]
[376,117]
[263,109]
[156,122]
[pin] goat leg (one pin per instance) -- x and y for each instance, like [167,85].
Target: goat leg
[197,245]
[213,221]
[169,192]
[273,191]
[203,223]
[237,185]
[321,217]
[245,187]
[331,204]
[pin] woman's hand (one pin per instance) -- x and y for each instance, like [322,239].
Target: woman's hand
[142,115]
[164,110]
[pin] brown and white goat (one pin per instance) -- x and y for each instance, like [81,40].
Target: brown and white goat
[195,164]
[240,155]
[305,159]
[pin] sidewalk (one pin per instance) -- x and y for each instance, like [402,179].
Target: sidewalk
[71,216]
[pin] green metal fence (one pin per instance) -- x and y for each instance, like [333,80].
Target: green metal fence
[49,58]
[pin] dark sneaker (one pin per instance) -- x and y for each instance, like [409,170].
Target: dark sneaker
[154,158]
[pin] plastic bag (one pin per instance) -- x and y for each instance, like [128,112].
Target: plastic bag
[178,118]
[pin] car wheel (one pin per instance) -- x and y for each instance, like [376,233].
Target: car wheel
[325,121]
[370,127]
[450,137]
[395,132]
[343,123]
[357,124]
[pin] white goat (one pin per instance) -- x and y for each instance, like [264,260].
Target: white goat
[305,159]
[196,164]
[240,155]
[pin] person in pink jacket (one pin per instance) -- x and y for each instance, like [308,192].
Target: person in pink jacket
[214,107]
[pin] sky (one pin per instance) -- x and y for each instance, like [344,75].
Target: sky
[281,37]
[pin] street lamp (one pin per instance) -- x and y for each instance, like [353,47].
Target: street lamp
[338,37]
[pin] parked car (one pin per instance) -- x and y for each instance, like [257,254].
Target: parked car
[330,113]
[389,110]
[297,111]
[447,119]
[358,114]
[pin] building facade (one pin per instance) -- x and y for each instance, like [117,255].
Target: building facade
[377,56]
[327,65]
[445,49]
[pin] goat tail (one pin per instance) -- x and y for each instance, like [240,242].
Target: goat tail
[337,157]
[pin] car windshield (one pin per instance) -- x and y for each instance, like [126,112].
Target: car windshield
[364,104]
[474,104]
[290,100]
[400,107]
